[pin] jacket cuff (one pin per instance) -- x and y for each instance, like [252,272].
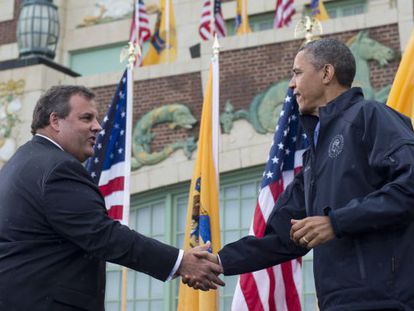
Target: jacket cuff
[331,214]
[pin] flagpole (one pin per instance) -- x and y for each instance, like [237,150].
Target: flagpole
[132,57]
[243,15]
[215,120]
[167,28]
[137,36]
[216,106]
[137,29]
[212,19]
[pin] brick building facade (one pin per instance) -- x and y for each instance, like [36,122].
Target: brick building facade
[249,65]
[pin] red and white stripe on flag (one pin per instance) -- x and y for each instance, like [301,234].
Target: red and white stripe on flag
[284,12]
[111,185]
[140,30]
[205,31]
[276,288]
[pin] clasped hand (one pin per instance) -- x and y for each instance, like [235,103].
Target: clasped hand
[311,231]
[200,269]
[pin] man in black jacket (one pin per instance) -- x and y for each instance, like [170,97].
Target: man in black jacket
[55,234]
[353,202]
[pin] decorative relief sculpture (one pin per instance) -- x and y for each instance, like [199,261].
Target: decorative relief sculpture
[89,20]
[10,105]
[176,115]
[107,11]
[365,48]
[266,106]
[111,10]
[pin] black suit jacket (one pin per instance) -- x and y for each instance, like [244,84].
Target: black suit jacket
[55,235]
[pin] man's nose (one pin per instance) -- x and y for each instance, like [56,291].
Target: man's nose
[96,127]
[292,83]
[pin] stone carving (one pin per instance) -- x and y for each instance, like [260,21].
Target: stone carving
[365,48]
[107,11]
[89,20]
[9,106]
[116,9]
[265,108]
[176,115]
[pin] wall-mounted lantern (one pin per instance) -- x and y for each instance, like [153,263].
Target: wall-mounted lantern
[38,28]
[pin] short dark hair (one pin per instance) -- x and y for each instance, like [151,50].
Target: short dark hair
[336,53]
[56,99]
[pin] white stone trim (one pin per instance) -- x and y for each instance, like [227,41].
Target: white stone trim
[8,51]
[6,10]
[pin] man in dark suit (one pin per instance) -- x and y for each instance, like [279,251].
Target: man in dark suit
[55,234]
[353,202]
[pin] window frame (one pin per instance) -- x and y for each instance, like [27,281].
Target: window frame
[170,196]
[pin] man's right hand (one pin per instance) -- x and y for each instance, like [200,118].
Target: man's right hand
[197,269]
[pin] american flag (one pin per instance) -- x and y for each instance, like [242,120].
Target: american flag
[204,29]
[140,30]
[107,166]
[284,12]
[279,287]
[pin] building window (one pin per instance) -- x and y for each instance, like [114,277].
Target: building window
[258,22]
[237,204]
[162,215]
[143,292]
[309,302]
[99,60]
[343,8]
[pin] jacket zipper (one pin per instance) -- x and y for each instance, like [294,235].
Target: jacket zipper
[360,260]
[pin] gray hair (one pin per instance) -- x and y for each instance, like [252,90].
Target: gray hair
[334,52]
[56,100]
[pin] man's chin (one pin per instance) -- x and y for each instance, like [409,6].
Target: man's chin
[89,154]
[304,110]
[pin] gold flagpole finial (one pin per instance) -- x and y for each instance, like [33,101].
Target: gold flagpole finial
[132,52]
[310,27]
[216,47]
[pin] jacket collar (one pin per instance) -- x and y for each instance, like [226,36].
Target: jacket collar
[341,103]
[44,141]
[332,109]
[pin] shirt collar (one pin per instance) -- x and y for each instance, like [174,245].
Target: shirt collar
[49,139]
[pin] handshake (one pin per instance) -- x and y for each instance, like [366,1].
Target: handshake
[200,269]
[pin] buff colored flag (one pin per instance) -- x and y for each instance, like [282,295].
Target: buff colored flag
[242,18]
[401,96]
[203,202]
[163,46]
[319,10]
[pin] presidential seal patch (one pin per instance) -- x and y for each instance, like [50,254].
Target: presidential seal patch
[336,146]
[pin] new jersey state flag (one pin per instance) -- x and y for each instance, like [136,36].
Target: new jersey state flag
[163,45]
[319,10]
[242,18]
[203,206]
[401,96]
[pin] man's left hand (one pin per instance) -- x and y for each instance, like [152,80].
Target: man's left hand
[311,231]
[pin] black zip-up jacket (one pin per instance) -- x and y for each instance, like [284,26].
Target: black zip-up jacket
[361,175]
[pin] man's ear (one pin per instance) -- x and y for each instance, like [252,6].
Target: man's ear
[328,73]
[54,121]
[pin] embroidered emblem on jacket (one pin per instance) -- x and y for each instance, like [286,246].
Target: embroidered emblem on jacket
[336,146]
